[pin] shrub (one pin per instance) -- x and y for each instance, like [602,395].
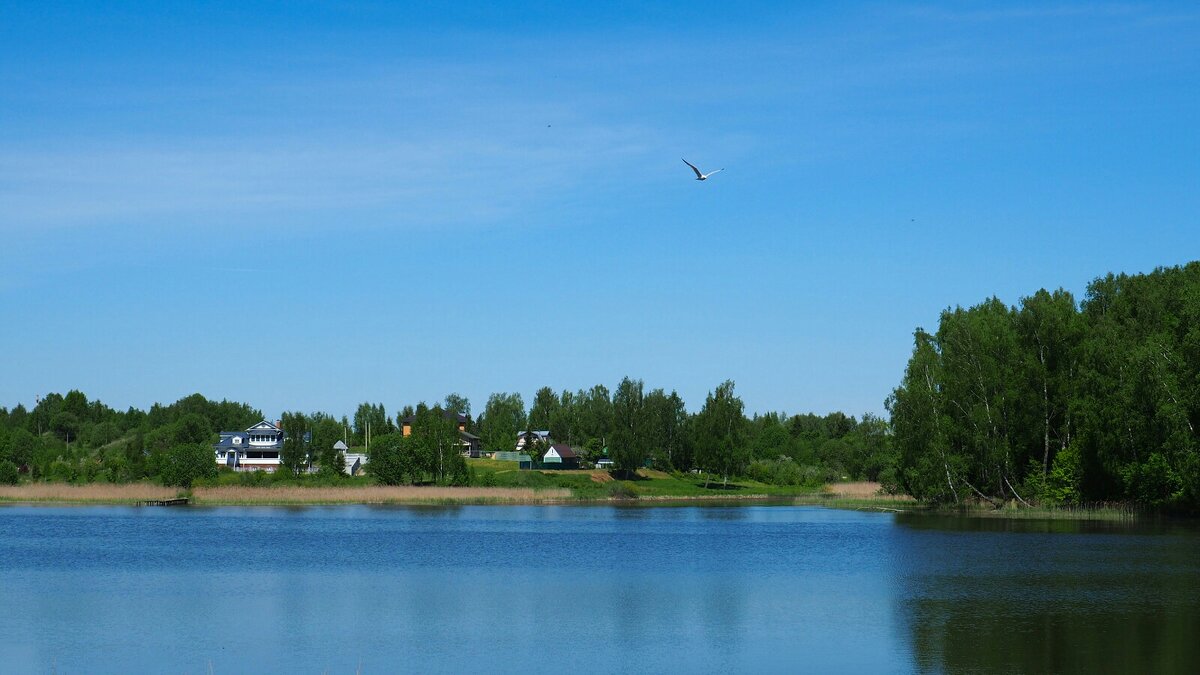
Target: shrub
[1062,484]
[8,473]
[183,464]
[484,478]
[620,490]
[785,471]
[61,469]
[1153,481]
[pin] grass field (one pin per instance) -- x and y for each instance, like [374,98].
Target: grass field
[649,484]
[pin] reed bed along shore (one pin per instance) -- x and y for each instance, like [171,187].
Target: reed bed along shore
[92,493]
[375,494]
[865,490]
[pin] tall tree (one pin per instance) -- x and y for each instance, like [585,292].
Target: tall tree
[436,433]
[595,415]
[628,446]
[457,403]
[502,419]
[371,419]
[545,403]
[294,456]
[395,459]
[665,418]
[719,431]
[326,432]
[1049,326]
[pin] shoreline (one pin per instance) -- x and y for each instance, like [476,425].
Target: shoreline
[131,494]
[857,499]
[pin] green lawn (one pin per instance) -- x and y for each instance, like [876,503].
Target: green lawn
[597,484]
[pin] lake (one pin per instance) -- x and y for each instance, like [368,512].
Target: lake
[589,589]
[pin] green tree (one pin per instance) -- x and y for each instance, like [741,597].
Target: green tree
[436,435]
[294,456]
[595,414]
[627,446]
[502,419]
[187,463]
[665,418]
[1049,326]
[371,419]
[9,475]
[719,430]
[192,428]
[66,425]
[545,403]
[457,403]
[326,432]
[394,459]
[21,444]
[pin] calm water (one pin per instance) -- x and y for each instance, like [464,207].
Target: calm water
[588,589]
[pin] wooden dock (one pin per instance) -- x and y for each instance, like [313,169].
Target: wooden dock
[181,501]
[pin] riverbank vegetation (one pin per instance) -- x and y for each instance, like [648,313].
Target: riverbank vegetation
[1055,402]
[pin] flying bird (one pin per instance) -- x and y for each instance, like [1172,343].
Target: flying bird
[701,176]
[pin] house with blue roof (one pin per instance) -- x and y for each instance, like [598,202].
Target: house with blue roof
[255,449]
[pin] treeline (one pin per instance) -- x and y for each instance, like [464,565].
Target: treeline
[1058,401]
[636,427]
[69,438]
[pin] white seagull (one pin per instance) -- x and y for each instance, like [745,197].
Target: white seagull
[701,176]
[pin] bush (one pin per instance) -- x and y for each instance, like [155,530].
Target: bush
[620,490]
[395,460]
[1062,484]
[1152,482]
[785,471]
[62,470]
[9,474]
[184,464]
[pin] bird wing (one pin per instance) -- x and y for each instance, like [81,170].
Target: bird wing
[712,172]
[698,174]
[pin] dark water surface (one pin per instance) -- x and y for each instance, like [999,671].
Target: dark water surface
[588,589]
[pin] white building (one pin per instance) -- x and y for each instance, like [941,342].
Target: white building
[255,449]
[355,461]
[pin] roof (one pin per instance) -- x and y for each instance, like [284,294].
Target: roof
[264,426]
[227,439]
[468,435]
[563,450]
[340,446]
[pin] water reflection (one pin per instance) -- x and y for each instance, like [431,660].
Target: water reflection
[989,595]
[589,589]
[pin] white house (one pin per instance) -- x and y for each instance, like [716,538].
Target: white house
[355,461]
[255,449]
[532,437]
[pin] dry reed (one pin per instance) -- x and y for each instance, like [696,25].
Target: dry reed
[92,492]
[862,490]
[374,494]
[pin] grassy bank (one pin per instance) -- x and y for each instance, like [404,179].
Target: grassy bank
[646,484]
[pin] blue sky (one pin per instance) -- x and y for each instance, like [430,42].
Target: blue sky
[308,205]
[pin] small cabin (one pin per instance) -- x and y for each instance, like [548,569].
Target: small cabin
[560,456]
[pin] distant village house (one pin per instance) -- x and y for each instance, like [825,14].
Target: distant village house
[469,444]
[560,456]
